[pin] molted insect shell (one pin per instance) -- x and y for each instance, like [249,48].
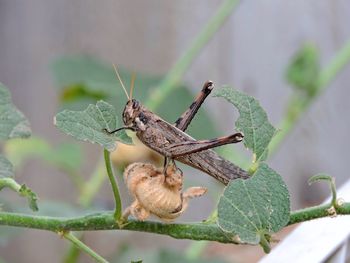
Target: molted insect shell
[156,193]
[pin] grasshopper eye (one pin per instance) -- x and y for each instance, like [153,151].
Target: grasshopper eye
[135,104]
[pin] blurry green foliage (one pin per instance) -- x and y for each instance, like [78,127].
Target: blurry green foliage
[13,124]
[83,80]
[304,69]
[6,168]
[66,156]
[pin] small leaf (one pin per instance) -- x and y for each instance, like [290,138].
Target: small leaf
[12,122]
[6,168]
[31,196]
[253,121]
[256,207]
[89,125]
[304,69]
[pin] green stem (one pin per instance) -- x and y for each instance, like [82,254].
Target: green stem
[309,213]
[180,67]
[193,231]
[72,254]
[10,183]
[339,61]
[82,246]
[264,243]
[118,202]
[88,190]
[334,192]
[328,74]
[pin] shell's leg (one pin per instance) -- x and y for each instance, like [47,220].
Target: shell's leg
[192,192]
[138,211]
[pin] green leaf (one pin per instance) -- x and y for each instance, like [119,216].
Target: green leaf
[253,121]
[304,69]
[12,122]
[89,125]
[30,195]
[6,168]
[254,208]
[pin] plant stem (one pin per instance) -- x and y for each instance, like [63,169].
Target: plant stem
[118,202]
[88,190]
[82,246]
[194,231]
[72,254]
[339,61]
[10,183]
[179,69]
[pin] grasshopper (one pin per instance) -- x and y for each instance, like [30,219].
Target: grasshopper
[171,141]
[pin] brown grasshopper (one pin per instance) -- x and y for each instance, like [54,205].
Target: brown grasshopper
[173,143]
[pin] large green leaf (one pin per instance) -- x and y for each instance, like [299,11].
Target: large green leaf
[253,121]
[13,123]
[89,125]
[256,207]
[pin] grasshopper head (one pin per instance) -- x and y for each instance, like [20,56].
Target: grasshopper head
[131,111]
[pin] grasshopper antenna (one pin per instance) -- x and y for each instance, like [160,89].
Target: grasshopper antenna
[121,82]
[133,77]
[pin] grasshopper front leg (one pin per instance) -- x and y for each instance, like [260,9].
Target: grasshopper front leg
[186,118]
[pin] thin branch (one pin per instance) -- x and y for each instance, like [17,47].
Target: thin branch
[69,236]
[194,231]
[180,67]
[118,202]
[328,74]
[10,183]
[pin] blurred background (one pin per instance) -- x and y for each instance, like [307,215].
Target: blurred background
[59,54]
